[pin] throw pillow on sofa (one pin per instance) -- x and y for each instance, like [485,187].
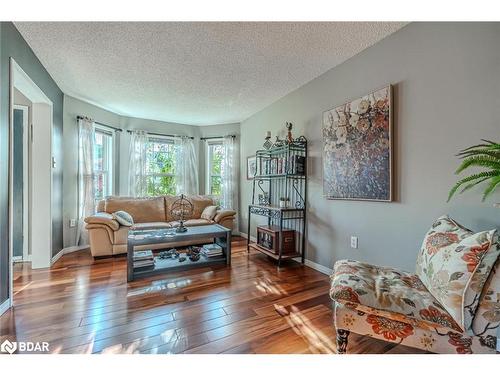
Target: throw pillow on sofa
[124,218]
[449,259]
[209,213]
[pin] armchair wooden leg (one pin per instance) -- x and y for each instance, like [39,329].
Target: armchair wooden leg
[342,341]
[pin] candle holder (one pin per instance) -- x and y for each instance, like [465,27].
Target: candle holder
[268,144]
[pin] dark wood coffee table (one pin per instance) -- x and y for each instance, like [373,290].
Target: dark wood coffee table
[217,233]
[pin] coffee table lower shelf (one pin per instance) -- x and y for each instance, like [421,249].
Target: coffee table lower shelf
[158,237]
[163,265]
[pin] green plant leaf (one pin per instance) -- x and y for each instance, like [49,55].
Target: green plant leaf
[471,185]
[491,187]
[479,161]
[477,176]
[490,145]
[492,153]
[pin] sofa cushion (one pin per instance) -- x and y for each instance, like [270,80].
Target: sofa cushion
[142,210]
[209,212]
[124,218]
[449,258]
[388,292]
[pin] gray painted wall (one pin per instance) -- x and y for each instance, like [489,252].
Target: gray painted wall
[447,85]
[13,45]
[74,107]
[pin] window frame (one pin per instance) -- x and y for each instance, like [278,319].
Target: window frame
[208,165]
[109,152]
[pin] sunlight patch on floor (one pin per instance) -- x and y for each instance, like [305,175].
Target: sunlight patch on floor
[268,287]
[159,288]
[302,326]
[138,345]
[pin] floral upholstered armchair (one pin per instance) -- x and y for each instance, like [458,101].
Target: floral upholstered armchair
[451,304]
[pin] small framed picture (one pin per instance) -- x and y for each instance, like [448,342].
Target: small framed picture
[251,167]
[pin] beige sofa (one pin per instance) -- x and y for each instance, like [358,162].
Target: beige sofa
[108,237]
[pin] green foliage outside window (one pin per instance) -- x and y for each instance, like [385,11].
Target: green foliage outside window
[160,169]
[216,155]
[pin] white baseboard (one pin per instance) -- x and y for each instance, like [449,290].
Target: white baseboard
[4,306]
[308,263]
[68,250]
[56,257]
[21,259]
[318,267]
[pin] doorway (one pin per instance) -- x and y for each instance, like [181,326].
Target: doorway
[30,173]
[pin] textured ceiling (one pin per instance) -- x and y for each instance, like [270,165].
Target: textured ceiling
[193,73]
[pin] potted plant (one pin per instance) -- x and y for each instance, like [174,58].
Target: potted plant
[485,155]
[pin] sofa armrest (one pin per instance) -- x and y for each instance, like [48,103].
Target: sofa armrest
[222,214]
[103,218]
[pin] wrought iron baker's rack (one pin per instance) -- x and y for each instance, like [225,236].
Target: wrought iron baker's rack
[271,184]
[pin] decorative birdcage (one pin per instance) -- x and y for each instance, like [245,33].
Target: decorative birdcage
[181,209]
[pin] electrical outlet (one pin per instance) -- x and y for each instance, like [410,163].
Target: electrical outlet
[354,242]
[72,223]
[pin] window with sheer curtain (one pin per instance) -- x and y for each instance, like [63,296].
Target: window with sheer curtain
[160,166]
[214,157]
[103,163]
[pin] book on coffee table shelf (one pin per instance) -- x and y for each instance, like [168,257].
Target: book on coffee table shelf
[211,250]
[143,259]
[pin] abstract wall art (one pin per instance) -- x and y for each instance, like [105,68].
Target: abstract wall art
[357,148]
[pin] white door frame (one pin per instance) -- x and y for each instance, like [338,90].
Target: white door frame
[26,181]
[42,165]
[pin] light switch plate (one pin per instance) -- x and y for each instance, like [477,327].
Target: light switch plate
[72,223]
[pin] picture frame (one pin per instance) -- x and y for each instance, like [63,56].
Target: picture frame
[251,167]
[357,136]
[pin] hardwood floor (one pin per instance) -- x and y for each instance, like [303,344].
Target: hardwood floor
[86,306]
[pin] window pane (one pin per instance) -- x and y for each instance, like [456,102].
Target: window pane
[215,185]
[103,164]
[160,156]
[160,185]
[216,163]
[100,181]
[99,152]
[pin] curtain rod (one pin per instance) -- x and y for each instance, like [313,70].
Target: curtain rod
[219,137]
[99,123]
[162,135]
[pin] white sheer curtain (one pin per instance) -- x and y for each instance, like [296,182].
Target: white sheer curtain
[186,166]
[86,204]
[138,163]
[229,175]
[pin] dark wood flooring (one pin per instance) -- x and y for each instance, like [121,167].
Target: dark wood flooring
[82,305]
